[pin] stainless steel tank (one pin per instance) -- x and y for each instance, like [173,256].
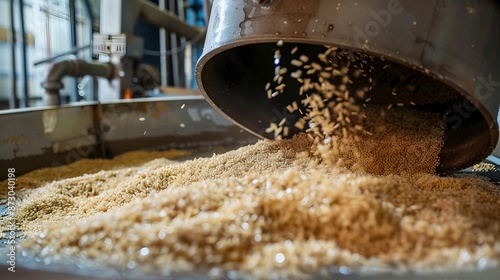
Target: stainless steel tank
[447,52]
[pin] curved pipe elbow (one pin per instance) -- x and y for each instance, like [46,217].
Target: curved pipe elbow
[74,68]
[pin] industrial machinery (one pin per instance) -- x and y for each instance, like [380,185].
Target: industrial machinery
[431,50]
[120,51]
[446,51]
[443,50]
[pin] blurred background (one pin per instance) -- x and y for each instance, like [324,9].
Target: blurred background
[36,34]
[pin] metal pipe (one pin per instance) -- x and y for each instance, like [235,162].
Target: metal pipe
[152,14]
[74,68]
[454,61]
[88,7]
[163,48]
[207,6]
[13,100]
[73,37]
[24,100]
[91,93]
[175,53]
[72,23]
[185,77]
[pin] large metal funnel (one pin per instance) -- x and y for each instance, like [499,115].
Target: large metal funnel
[447,51]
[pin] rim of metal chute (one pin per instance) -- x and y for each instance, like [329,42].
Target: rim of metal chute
[444,44]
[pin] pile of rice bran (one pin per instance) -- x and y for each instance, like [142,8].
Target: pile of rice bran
[285,208]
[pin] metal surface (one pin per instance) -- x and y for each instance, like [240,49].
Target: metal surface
[173,123]
[445,45]
[35,138]
[59,135]
[31,268]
